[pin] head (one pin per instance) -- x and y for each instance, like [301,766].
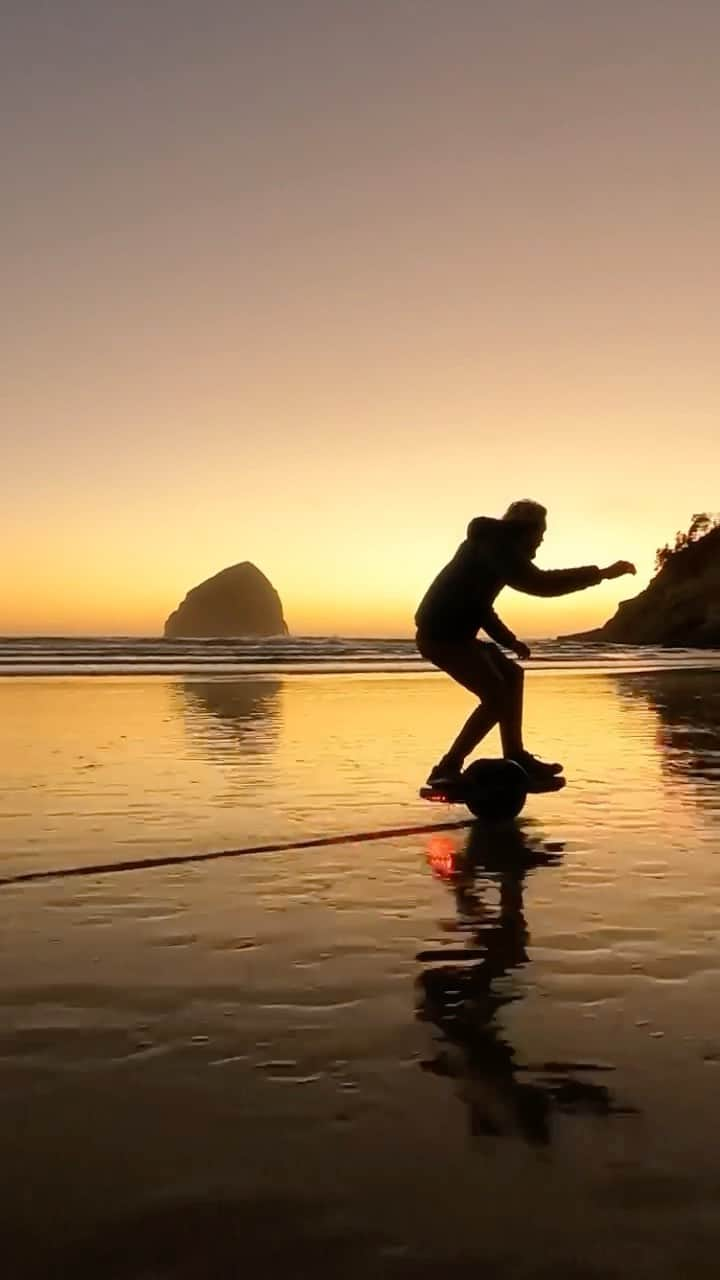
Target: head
[529,519]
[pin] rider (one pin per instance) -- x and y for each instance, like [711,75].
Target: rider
[495,554]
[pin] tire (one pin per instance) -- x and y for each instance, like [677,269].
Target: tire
[495,790]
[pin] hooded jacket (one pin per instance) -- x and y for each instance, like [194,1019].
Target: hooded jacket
[494,555]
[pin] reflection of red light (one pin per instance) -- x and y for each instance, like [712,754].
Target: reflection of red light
[441,856]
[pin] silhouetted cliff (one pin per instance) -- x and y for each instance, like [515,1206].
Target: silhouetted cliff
[238,601]
[680,607]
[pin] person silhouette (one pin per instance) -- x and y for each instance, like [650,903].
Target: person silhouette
[459,602]
[463,992]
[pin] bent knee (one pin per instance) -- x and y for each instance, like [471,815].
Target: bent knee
[495,694]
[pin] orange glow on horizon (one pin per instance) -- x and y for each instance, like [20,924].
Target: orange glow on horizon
[362,588]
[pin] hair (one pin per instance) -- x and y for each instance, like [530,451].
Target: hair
[524,511]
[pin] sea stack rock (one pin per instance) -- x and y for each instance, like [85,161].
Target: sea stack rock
[680,607]
[238,601]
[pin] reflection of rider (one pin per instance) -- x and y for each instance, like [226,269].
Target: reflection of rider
[462,1001]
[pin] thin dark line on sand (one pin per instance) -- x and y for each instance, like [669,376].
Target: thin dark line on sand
[179,859]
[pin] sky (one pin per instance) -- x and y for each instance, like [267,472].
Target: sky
[312,282]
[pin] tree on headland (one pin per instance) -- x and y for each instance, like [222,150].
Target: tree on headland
[701,523]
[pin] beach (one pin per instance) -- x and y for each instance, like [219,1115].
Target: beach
[465,1047]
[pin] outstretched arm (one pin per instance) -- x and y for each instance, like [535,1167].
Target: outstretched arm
[525,576]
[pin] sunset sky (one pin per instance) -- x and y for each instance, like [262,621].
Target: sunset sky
[312,282]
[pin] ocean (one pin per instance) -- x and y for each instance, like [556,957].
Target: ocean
[153,655]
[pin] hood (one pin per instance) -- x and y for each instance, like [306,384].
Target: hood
[482,527]
[510,537]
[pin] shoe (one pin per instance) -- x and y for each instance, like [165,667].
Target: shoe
[532,765]
[443,775]
[540,780]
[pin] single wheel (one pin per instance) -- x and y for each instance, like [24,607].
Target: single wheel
[495,789]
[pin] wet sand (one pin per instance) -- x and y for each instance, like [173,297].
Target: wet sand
[463,1050]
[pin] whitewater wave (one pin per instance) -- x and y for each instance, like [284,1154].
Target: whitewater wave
[153,655]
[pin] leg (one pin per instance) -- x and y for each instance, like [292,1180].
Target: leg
[511,721]
[472,665]
[476,727]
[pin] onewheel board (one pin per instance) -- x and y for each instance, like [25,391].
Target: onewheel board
[495,790]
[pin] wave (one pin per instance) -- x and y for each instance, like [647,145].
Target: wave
[153,655]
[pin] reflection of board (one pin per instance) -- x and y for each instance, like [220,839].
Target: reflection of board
[492,789]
